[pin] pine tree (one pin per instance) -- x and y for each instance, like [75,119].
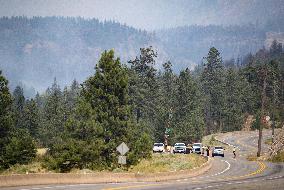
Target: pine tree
[165,103]
[213,86]
[16,145]
[53,116]
[107,93]
[69,99]
[31,119]
[237,92]
[189,114]
[5,117]
[20,149]
[144,86]
[18,106]
[82,141]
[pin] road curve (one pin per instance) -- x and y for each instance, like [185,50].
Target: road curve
[226,173]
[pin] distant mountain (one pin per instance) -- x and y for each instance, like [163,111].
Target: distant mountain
[35,51]
[192,42]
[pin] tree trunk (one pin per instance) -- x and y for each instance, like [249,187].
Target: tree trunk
[259,140]
[273,127]
[263,97]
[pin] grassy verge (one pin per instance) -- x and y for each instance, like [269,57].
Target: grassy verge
[268,141]
[168,162]
[210,140]
[252,158]
[158,163]
[34,167]
[278,158]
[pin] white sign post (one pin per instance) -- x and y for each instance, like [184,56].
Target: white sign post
[122,149]
[122,159]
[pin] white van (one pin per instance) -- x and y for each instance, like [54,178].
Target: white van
[197,148]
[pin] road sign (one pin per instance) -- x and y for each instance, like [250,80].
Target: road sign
[122,159]
[122,148]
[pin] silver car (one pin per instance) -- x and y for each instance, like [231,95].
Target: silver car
[197,148]
[179,148]
[218,151]
[158,147]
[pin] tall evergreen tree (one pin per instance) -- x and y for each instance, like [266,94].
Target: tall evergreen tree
[107,93]
[213,86]
[53,117]
[18,105]
[165,103]
[144,84]
[16,145]
[189,115]
[238,93]
[5,117]
[32,118]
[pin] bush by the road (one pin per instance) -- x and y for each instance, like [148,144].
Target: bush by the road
[279,157]
[168,162]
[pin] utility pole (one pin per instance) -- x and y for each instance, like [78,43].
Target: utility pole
[263,74]
[273,112]
[273,127]
[168,129]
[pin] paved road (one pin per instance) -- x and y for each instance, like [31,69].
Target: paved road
[226,173]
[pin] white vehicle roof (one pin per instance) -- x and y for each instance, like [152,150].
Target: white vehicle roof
[218,147]
[158,144]
[197,144]
[180,144]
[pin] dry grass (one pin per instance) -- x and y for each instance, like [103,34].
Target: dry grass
[252,158]
[168,162]
[278,157]
[210,140]
[34,167]
[158,163]
[268,141]
[41,151]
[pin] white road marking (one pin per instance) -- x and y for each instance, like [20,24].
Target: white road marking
[219,173]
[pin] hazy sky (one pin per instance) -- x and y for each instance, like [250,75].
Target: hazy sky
[149,14]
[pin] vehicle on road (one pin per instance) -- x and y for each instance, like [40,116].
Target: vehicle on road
[158,147]
[197,148]
[179,148]
[218,151]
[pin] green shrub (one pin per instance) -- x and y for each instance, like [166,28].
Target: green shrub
[20,149]
[279,157]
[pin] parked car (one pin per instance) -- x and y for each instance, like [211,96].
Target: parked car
[179,148]
[159,147]
[218,151]
[197,148]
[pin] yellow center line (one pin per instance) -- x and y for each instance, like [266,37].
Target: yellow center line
[134,186]
[260,169]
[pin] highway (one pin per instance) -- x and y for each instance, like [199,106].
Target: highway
[226,173]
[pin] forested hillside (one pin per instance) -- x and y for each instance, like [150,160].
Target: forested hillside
[35,50]
[81,125]
[190,43]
